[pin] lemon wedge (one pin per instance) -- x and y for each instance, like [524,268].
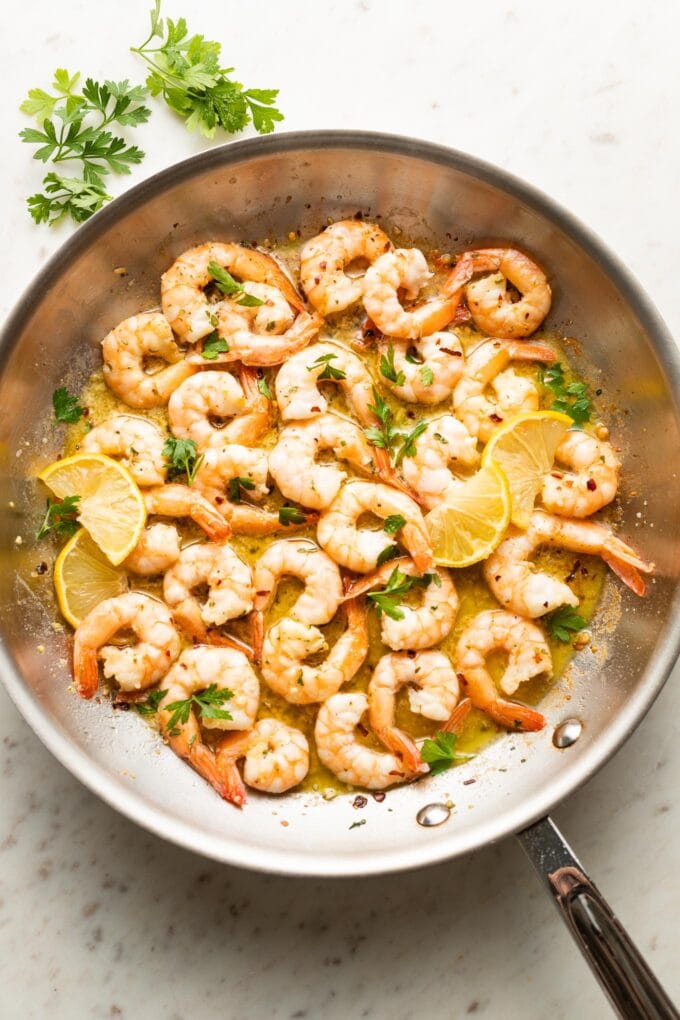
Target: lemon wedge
[468,526]
[84,577]
[111,506]
[524,448]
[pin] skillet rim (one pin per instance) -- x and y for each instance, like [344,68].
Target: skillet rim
[572,776]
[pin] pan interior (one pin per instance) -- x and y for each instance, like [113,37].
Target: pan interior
[258,189]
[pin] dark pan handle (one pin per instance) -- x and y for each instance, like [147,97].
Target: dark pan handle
[632,989]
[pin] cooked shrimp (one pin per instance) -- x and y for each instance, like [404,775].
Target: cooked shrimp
[357,548]
[347,758]
[228,580]
[444,446]
[293,465]
[134,667]
[421,626]
[196,670]
[405,271]
[435,697]
[430,376]
[479,411]
[128,348]
[216,396]
[265,334]
[528,656]
[289,642]
[176,500]
[297,389]
[529,592]
[158,548]
[136,442]
[276,758]
[323,260]
[184,303]
[492,308]
[592,482]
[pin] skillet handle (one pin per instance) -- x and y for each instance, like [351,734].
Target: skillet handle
[633,990]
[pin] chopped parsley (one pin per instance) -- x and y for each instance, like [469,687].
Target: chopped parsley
[150,706]
[182,457]
[387,368]
[564,622]
[236,485]
[440,753]
[61,517]
[393,524]
[66,407]
[207,703]
[569,398]
[329,372]
[213,345]
[291,515]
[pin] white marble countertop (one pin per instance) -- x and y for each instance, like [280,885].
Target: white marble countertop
[98,918]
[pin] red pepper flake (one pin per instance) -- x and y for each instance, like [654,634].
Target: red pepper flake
[590,485]
[469,782]
[495,417]
[378,795]
[360,801]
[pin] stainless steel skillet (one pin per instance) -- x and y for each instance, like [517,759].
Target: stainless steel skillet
[266,188]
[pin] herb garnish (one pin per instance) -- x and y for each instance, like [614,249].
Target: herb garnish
[387,368]
[230,287]
[569,398]
[427,375]
[150,706]
[235,486]
[213,345]
[263,387]
[390,552]
[329,372]
[387,599]
[182,456]
[564,622]
[440,753]
[393,524]
[408,447]
[60,517]
[386,436]
[291,515]
[66,407]
[207,702]
[74,129]
[185,70]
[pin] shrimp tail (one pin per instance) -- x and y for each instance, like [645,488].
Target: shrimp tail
[629,574]
[210,520]
[229,750]
[220,640]
[460,713]
[401,745]
[522,350]
[361,585]
[85,670]
[389,476]
[418,542]
[257,633]
[514,716]
[204,761]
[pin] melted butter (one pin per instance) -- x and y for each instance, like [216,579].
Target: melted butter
[585,575]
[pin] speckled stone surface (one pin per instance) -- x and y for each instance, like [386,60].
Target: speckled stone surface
[99,919]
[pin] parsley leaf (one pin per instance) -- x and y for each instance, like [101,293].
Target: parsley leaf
[387,368]
[408,447]
[207,702]
[357,825]
[263,387]
[569,398]
[150,706]
[60,517]
[383,435]
[387,599]
[440,753]
[224,280]
[213,345]
[185,70]
[564,622]
[427,375]
[235,486]
[73,128]
[388,553]
[329,372]
[393,524]
[250,301]
[66,407]
[291,515]
[182,457]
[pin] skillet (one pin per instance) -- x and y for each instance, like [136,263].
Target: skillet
[266,187]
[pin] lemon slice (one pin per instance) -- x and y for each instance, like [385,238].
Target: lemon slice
[84,577]
[111,506]
[524,447]
[471,523]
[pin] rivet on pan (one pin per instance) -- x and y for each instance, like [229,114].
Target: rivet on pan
[433,814]
[567,733]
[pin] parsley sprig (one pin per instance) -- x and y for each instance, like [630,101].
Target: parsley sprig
[570,398]
[74,129]
[386,436]
[564,622]
[150,705]
[66,408]
[291,515]
[186,72]
[387,367]
[61,517]
[213,345]
[231,287]
[181,456]
[386,600]
[236,485]
[440,753]
[329,371]
[207,703]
